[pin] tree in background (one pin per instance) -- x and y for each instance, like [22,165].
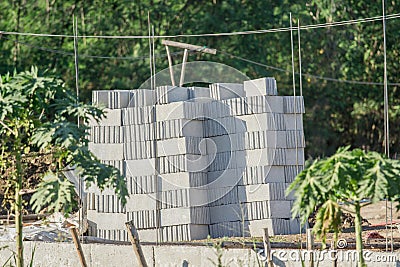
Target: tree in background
[343,182]
[38,119]
[335,111]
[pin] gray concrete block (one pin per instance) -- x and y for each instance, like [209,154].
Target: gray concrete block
[256,210]
[291,172]
[223,126]
[181,146]
[216,109]
[228,229]
[113,99]
[185,215]
[169,94]
[139,150]
[113,117]
[225,178]
[275,227]
[263,174]
[189,197]
[228,142]
[145,184]
[293,121]
[106,134]
[263,122]
[141,202]
[237,106]
[227,213]
[261,86]
[265,139]
[148,235]
[143,219]
[261,192]
[179,128]
[137,115]
[266,156]
[200,94]
[293,104]
[139,167]
[96,190]
[112,234]
[182,180]
[120,98]
[292,159]
[295,139]
[179,110]
[296,227]
[255,105]
[107,151]
[247,141]
[184,232]
[274,104]
[142,98]
[280,209]
[227,160]
[106,202]
[221,91]
[183,163]
[222,196]
[107,221]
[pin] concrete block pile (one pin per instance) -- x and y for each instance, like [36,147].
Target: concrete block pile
[198,161]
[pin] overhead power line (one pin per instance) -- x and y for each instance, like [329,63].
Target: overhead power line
[304,74]
[285,29]
[146,57]
[61,52]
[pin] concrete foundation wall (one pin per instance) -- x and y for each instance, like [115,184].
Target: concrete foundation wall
[65,255]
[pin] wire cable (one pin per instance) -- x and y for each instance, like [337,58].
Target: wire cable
[61,52]
[284,29]
[305,74]
[181,52]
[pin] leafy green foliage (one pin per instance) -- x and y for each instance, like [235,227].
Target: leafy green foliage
[56,193]
[42,114]
[337,113]
[349,177]
[328,217]
[346,177]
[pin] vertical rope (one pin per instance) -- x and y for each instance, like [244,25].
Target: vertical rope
[300,74]
[156,162]
[154,57]
[76,63]
[294,94]
[295,109]
[386,122]
[150,50]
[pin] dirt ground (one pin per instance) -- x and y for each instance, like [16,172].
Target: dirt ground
[375,214]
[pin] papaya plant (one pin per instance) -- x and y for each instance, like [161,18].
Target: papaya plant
[39,118]
[348,180]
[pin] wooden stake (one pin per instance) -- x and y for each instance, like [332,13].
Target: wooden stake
[187,47]
[134,238]
[185,55]
[267,248]
[78,246]
[171,71]
[310,246]
[190,47]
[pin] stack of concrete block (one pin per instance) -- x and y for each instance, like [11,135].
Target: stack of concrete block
[258,148]
[141,136]
[198,161]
